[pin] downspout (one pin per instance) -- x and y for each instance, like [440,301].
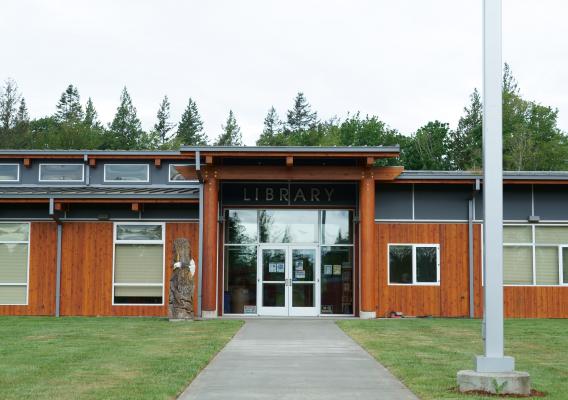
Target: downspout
[58,257]
[471,260]
[200,246]
[471,215]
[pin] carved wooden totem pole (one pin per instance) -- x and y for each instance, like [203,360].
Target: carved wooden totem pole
[181,282]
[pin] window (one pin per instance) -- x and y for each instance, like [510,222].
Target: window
[288,226]
[14,255]
[138,276]
[9,172]
[535,255]
[414,264]
[61,172]
[337,227]
[178,172]
[127,173]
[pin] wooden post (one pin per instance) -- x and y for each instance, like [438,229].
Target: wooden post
[211,224]
[368,246]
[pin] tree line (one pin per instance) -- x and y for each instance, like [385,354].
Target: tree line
[531,137]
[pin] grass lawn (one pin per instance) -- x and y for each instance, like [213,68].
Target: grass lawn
[426,353]
[105,358]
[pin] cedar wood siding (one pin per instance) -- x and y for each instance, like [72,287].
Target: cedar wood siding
[86,271]
[42,270]
[451,298]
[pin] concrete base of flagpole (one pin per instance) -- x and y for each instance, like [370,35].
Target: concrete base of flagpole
[512,382]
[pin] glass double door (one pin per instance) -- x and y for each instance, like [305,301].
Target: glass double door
[288,280]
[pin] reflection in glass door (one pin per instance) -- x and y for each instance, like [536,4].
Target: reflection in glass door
[303,283]
[288,281]
[273,279]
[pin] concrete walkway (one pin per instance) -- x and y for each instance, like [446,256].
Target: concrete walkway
[294,359]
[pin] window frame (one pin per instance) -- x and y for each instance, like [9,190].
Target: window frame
[561,281]
[105,180]
[62,180]
[27,284]
[414,281]
[533,245]
[17,173]
[116,241]
[180,181]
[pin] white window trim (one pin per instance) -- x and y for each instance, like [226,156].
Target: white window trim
[62,180]
[414,282]
[17,173]
[116,241]
[27,284]
[178,181]
[533,246]
[105,180]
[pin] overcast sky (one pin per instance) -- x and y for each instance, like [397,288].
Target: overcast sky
[406,61]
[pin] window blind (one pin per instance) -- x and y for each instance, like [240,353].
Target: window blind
[138,291]
[13,295]
[13,263]
[138,263]
[546,265]
[517,265]
[551,234]
[517,234]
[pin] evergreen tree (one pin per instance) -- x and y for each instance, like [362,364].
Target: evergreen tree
[9,98]
[272,129]
[91,116]
[190,129]
[300,117]
[428,147]
[125,128]
[163,126]
[465,142]
[69,108]
[231,135]
[22,116]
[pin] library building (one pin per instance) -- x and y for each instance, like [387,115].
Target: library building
[273,231]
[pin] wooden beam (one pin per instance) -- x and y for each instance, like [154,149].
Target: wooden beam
[289,161]
[92,162]
[59,206]
[27,162]
[209,160]
[386,173]
[158,162]
[334,173]
[135,207]
[370,161]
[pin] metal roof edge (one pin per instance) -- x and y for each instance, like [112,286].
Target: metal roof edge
[468,175]
[297,149]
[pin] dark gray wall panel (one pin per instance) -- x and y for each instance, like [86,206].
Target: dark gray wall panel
[103,211]
[31,175]
[393,201]
[170,211]
[444,202]
[24,211]
[517,202]
[551,202]
[479,205]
